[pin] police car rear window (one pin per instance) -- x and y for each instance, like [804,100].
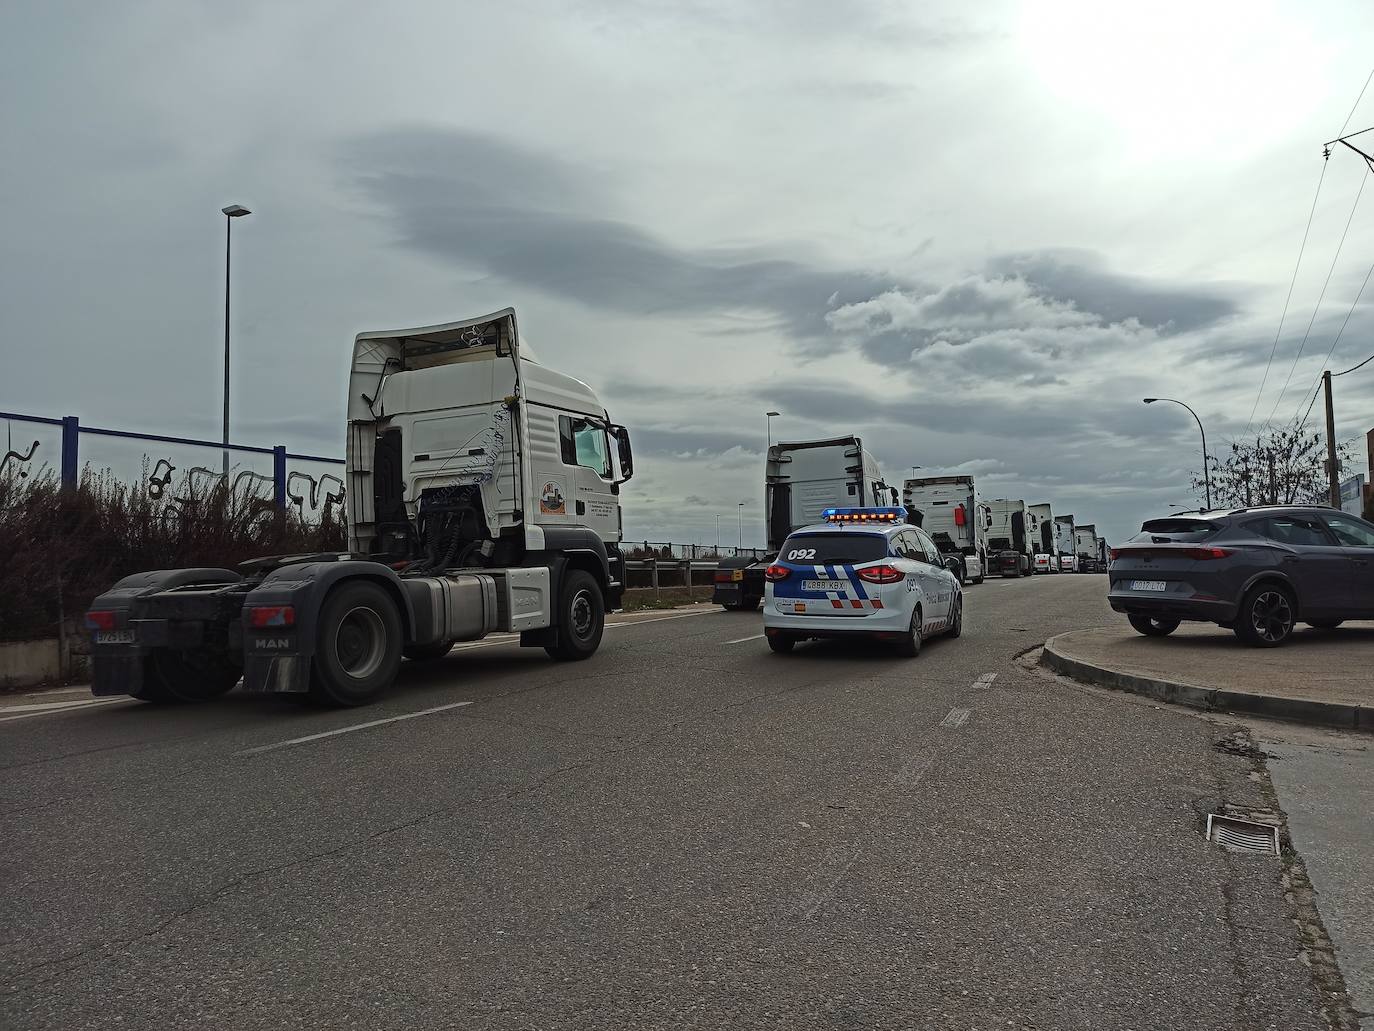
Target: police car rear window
[833,547]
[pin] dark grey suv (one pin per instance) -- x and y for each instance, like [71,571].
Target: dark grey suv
[1258,571]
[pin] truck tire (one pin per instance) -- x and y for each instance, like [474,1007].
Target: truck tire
[357,646]
[427,652]
[581,618]
[190,676]
[1028,570]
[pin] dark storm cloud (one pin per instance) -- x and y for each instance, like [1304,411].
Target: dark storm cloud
[1077,277]
[483,203]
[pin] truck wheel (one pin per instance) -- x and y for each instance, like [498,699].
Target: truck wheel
[910,646]
[191,676]
[358,645]
[581,618]
[427,652]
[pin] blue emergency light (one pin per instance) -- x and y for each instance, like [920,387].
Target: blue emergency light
[864,515]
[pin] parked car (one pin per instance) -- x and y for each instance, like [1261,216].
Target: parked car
[1257,571]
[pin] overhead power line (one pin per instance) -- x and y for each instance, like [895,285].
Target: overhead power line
[1354,367]
[1293,282]
[1356,104]
[1332,349]
[1302,345]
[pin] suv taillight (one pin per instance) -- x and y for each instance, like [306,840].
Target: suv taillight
[774,573]
[1207,553]
[883,574]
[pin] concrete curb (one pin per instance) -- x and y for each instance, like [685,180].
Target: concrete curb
[1055,656]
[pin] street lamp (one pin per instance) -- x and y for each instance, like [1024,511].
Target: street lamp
[739,513]
[232,212]
[770,417]
[1206,472]
[717,534]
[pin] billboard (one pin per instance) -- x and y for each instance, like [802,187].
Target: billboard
[1352,494]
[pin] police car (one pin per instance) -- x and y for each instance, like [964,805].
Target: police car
[861,571]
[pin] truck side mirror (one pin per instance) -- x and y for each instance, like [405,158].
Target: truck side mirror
[625,454]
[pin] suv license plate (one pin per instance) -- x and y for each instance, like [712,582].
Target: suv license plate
[1147,585]
[825,585]
[114,637]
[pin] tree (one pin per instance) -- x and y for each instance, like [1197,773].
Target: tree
[1286,467]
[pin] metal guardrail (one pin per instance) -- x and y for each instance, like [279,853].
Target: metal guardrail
[658,575]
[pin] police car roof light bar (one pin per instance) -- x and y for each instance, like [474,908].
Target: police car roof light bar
[864,515]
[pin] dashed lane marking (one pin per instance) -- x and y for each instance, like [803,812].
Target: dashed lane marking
[741,640]
[956,718]
[348,730]
[53,707]
[984,682]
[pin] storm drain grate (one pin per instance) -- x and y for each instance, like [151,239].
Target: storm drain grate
[1242,835]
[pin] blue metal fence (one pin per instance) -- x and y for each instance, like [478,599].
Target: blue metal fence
[70,464]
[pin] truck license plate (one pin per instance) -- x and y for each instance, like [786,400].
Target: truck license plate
[825,585]
[114,637]
[1147,585]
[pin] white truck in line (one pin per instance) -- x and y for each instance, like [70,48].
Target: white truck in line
[482,495]
[1044,557]
[1064,544]
[1086,547]
[947,508]
[801,480]
[1008,538]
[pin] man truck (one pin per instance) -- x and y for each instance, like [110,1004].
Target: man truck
[1085,546]
[801,480]
[1009,538]
[482,495]
[1063,544]
[947,508]
[1042,544]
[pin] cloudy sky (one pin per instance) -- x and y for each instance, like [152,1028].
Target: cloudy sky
[975,234]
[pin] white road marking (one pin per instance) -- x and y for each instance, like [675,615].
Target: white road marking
[29,711]
[955,718]
[492,640]
[660,619]
[984,682]
[348,730]
[741,640]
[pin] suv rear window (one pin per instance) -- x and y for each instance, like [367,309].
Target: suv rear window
[834,547]
[1184,531]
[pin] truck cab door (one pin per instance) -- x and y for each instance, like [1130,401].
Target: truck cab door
[591,499]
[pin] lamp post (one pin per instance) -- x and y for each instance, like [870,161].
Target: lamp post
[739,515]
[717,534]
[1206,471]
[770,416]
[232,212]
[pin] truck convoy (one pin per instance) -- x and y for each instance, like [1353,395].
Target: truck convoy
[1086,547]
[1041,521]
[947,508]
[1009,545]
[1064,545]
[801,480]
[483,495]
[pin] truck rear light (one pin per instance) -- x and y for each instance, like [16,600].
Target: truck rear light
[728,576]
[261,616]
[883,574]
[1207,553]
[774,573]
[100,620]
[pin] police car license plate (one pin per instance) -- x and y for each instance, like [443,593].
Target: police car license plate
[825,585]
[114,637]
[1147,585]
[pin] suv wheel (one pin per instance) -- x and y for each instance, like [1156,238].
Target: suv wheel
[1152,626]
[1266,616]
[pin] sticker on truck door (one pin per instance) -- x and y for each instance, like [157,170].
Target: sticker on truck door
[551,498]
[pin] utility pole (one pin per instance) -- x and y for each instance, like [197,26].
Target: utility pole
[1273,483]
[1333,469]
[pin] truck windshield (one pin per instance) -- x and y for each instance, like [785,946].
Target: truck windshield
[834,547]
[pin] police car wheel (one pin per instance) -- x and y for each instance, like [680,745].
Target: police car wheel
[910,646]
[781,643]
[956,620]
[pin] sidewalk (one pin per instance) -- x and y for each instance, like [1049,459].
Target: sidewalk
[1320,676]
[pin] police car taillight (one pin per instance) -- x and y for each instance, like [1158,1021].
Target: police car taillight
[883,574]
[776,573]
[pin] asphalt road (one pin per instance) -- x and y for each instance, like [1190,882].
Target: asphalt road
[685,831]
